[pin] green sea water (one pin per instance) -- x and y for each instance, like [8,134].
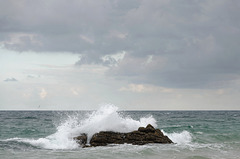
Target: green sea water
[48,134]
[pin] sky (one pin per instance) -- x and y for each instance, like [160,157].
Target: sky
[134,54]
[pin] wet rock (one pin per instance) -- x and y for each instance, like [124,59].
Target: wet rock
[148,129]
[82,139]
[140,137]
[107,137]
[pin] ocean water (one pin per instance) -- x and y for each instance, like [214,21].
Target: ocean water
[49,134]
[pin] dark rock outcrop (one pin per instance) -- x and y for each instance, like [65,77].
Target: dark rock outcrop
[82,139]
[140,137]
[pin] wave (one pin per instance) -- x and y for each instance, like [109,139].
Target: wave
[107,118]
[181,138]
[15,144]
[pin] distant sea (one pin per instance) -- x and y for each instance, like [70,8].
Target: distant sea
[49,134]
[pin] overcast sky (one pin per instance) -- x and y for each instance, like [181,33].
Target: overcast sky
[135,54]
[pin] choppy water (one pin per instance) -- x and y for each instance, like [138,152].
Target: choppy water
[48,134]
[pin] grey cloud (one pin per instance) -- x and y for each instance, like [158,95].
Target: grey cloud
[199,47]
[193,43]
[87,59]
[10,80]
[33,76]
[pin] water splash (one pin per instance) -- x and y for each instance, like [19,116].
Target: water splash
[181,138]
[107,118]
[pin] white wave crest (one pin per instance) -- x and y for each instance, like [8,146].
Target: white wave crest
[107,118]
[182,138]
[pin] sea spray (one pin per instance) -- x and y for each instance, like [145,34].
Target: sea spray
[107,118]
[213,134]
[181,138]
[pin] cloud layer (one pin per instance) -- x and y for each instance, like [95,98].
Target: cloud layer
[170,43]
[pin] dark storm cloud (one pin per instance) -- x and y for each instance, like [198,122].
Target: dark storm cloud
[193,43]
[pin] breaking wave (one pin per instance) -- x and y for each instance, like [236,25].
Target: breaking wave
[107,118]
[181,138]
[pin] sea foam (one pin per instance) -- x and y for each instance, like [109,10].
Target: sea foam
[180,138]
[106,118]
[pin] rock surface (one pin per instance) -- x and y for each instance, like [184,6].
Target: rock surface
[140,137]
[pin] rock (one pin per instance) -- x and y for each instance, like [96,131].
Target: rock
[140,137]
[149,128]
[107,137]
[82,139]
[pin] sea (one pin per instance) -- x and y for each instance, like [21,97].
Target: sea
[49,134]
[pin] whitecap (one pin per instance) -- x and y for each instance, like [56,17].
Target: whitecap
[107,118]
[181,138]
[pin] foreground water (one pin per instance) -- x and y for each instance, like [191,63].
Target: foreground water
[48,134]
